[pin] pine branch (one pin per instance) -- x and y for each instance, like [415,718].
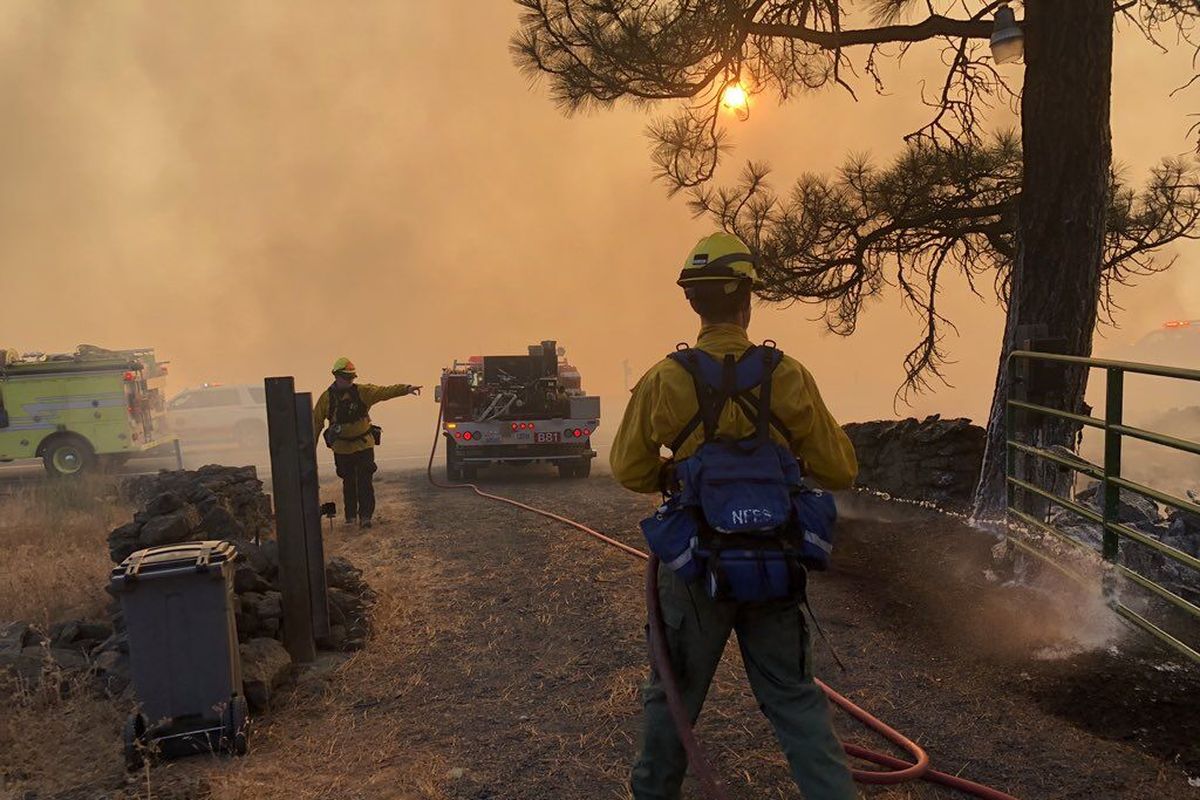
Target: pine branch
[931,27]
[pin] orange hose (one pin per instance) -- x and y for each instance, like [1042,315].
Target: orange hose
[908,771]
[900,770]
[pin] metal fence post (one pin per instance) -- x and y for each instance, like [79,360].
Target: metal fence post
[289,519]
[1113,412]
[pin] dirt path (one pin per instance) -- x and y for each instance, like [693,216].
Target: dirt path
[508,656]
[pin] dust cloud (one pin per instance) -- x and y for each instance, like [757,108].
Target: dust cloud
[258,188]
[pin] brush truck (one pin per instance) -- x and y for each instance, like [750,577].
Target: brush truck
[519,409]
[80,410]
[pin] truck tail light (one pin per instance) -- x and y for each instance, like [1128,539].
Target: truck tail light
[587,431]
[467,436]
[130,377]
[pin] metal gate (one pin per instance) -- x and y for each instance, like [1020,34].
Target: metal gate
[1114,532]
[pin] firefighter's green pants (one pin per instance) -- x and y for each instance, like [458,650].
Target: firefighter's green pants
[774,642]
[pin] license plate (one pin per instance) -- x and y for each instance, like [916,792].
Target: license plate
[548,438]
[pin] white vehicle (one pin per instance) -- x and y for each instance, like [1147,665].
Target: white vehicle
[214,413]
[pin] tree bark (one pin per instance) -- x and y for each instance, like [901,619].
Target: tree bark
[1067,146]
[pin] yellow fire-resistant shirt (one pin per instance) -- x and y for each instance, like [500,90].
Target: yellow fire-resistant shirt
[664,402]
[356,436]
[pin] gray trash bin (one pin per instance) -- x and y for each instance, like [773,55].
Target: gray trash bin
[187,672]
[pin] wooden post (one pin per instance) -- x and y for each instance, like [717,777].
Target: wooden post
[310,504]
[289,519]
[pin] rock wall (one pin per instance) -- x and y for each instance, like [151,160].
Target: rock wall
[933,459]
[214,502]
[228,503]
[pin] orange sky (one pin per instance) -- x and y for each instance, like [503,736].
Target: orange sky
[258,188]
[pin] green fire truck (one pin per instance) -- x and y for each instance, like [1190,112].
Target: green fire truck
[78,411]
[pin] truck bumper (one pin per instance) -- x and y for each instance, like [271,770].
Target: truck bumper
[497,454]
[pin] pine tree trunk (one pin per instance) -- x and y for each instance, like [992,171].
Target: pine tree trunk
[1068,155]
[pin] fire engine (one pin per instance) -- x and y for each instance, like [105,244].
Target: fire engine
[76,410]
[518,409]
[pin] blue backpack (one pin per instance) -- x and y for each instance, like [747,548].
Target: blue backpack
[738,513]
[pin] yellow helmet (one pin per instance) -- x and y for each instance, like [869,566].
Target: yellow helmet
[719,257]
[343,364]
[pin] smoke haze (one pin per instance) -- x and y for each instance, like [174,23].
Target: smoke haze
[258,188]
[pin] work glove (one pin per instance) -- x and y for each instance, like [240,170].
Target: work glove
[413,390]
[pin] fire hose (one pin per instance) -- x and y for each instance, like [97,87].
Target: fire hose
[899,770]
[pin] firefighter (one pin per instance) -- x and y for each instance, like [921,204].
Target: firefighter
[346,406]
[717,279]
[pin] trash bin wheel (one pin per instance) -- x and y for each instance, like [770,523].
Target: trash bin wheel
[134,736]
[238,726]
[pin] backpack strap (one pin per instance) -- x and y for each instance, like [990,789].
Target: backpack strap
[706,415]
[757,408]
[763,423]
[718,383]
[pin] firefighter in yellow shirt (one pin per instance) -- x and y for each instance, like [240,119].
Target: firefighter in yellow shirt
[717,278]
[345,407]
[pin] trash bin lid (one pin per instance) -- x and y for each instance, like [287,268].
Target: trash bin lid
[159,561]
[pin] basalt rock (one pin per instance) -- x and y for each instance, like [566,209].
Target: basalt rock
[933,459]
[14,636]
[123,541]
[1178,529]
[164,503]
[341,574]
[171,528]
[1133,507]
[79,635]
[266,666]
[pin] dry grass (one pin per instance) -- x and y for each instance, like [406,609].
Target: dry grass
[53,537]
[346,737]
[58,737]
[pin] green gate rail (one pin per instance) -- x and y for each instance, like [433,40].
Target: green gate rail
[1109,476]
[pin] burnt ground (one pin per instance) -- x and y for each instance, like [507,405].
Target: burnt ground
[508,655]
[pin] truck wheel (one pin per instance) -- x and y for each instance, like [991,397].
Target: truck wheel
[454,470]
[68,456]
[583,468]
[469,472]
